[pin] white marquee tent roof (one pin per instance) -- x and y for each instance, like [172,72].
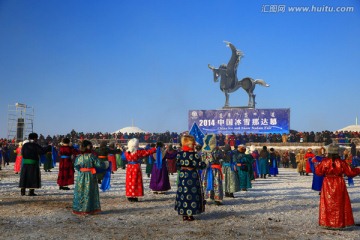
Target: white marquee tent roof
[351,128]
[131,129]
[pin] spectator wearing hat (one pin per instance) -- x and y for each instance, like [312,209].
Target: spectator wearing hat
[335,210]
[30,176]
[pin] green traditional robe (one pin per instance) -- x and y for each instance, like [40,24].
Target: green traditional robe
[86,192]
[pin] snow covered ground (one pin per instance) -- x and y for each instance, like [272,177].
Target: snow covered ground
[282,207]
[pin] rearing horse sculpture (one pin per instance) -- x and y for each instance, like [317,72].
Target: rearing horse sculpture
[229,82]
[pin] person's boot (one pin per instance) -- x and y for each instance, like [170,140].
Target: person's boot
[227,194]
[231,195]
[22,191]
[32,192]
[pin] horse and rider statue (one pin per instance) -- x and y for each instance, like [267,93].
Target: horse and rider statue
[229,82]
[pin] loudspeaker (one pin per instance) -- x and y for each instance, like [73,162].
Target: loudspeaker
[20,129]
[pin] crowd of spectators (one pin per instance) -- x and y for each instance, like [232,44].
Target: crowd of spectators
[325,137]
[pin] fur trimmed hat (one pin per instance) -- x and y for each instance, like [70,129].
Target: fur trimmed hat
[252,148]
[333,149]
[188,140]
[133,145]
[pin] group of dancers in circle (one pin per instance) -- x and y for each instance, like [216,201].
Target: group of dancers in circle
[205,173]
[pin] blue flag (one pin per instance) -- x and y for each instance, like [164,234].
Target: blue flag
[197,133]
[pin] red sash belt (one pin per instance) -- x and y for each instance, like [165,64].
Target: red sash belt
[187,168]
[92,170]
[218,166]
[102,157]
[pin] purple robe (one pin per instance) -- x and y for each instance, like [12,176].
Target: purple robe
[159,180]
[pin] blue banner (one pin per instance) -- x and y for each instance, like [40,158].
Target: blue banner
[241,120]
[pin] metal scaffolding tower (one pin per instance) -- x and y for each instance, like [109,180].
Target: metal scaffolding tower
[20,121]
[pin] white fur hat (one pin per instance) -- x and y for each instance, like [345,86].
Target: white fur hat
[252,148]
[133,145]
[247,150]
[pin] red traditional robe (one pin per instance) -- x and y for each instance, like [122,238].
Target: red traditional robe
[134,182]
[66,166]
[335,208]
[308,155]
[17,166]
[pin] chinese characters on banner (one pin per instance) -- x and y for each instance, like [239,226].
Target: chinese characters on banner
[241,120]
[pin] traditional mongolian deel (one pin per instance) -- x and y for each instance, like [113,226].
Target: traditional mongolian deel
[241,120]
[212,175]
[66,166]
[86,193]
[159,181]
[335,207]
[134,182]
[189,196]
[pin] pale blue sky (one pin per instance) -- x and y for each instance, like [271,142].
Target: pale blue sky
[99,65]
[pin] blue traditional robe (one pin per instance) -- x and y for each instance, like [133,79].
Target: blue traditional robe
[317,180]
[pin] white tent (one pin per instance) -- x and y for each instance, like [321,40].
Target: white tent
[351,128]
[131,129]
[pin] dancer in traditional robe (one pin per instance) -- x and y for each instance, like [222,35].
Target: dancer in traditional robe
[317,180]
[47,160]
[309,155]
[231,180]
[86,193]
[243,167]
[66,166]
[134,181]
[18,159]
[255,154]
[212,175]
[149,161]
[273,164]
[118,153]
[263,162]
[301,162]
[102,153]
[171,159]
[159,181]
[112,157]
[335,210]
[189,195]
[30,176]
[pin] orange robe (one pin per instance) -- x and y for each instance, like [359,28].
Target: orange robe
[335,208]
